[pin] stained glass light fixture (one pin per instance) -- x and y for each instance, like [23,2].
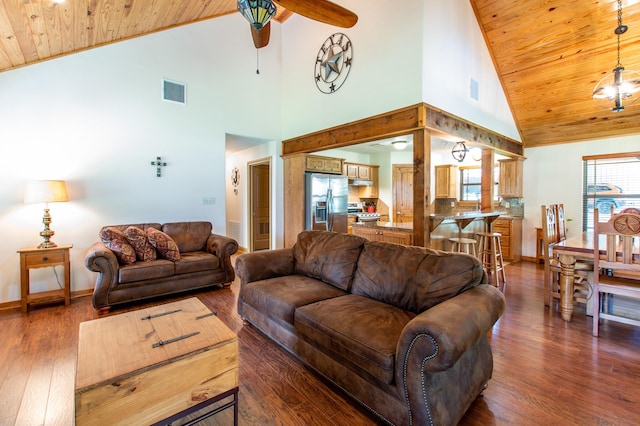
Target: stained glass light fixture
[257,12]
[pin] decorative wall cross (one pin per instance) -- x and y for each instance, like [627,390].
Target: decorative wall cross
[158,163]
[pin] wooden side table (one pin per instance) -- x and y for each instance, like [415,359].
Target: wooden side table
[31,258]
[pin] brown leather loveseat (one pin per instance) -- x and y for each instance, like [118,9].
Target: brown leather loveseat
[401,329]
[204,259]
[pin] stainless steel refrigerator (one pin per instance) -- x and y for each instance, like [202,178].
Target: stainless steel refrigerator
[326,202]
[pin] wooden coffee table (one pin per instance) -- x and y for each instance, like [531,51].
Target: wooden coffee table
[155,365]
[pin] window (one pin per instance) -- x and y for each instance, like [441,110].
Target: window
[470,183]
[610,182]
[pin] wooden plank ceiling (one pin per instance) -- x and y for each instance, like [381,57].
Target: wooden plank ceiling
[549,55]
[36,30]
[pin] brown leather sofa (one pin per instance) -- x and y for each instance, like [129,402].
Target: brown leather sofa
[401,329]
[205,260]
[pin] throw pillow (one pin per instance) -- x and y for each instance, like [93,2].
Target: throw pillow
[138,239]
[117,242]
[164,244]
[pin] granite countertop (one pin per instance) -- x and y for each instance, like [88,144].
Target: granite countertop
[462,218]
[391,226]
[465,215]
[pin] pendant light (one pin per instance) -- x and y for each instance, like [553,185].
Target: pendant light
[620,86]
[401,144]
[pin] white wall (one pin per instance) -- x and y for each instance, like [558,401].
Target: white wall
[96,120]
[386,72]
[553,175]
[238,204]
[454,53]
[416,51]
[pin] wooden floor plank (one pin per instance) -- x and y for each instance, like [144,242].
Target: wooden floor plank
[546,371]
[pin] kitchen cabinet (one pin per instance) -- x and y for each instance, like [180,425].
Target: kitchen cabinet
[383,235]
[371,191]
[364,172]
[316,163]
[357,171]
[350,221]
[510,229]
[510,181]
[446,181]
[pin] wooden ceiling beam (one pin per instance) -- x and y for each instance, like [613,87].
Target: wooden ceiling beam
[397,123]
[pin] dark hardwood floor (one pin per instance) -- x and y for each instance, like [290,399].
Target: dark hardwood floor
[546,371]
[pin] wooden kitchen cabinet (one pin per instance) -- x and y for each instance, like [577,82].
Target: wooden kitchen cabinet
[371,191]
[510,229]
[357,171]
[368,233]
[383,235]
[510,181]
[364,172]
[316,163]
[447,181]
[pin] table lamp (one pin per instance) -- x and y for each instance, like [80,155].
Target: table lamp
[46,191]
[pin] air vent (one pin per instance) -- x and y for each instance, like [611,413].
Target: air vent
[473,89]
[174,91]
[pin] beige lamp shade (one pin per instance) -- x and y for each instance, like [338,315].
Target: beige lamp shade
[46,191]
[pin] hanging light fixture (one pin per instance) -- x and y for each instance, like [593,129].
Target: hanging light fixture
[459,151]
[476,154]
[399,144]
[257,12]
[621,85]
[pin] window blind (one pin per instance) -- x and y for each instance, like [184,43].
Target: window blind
[610,183]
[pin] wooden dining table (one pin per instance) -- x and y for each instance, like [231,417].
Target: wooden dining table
[579,247]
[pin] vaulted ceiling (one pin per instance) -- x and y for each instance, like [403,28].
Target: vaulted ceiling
[549,55]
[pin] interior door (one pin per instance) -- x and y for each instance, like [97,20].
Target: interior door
[260,207]
[402,193]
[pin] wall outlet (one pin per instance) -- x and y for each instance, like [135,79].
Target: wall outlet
[507,205]
[208,200]
[453,204]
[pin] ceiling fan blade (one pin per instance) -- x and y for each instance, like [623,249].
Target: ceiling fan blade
[261,36]
[322,11]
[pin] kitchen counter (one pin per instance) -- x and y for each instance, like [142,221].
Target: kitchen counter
[391,226]
[463,219]
[464,224]
[390,232]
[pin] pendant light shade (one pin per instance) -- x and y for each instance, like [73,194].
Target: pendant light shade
[615,90]
[621,87]
[257,12]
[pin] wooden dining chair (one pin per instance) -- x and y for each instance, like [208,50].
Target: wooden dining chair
[561,222]
[619,265]
[630,210]
[582,272]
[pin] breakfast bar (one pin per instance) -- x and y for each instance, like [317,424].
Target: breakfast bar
[443,227]
[462,220]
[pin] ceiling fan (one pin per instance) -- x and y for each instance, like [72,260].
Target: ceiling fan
[260,12]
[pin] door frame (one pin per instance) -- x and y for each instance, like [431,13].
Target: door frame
[250,208]
[394,171]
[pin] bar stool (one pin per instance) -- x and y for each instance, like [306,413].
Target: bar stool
[464,245]
[490,254]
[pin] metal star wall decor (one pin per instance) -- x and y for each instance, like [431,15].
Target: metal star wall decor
[333,63]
